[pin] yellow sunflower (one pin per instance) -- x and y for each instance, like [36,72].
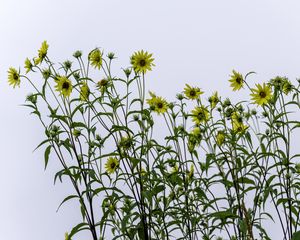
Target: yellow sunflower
[151,100]
[42,53]
[95,57]
[102,85]
[236,80]
[237,123]
[76,132]
[200,114]
[191,172]
[277,82]
[161,105]
[84,92]
[192,92]
[197,132]
[126,143]
[262,94]
[174,169]
[111,165]
[67,236]
[195,137]
[220,138]
[13,77]
[28,65]
[142,61]
[214,99]
[143,172]
[64,86]
[287,87]
[157,104]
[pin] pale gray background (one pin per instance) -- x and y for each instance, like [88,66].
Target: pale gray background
[196,42]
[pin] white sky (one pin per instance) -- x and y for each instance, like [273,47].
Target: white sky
[193,41]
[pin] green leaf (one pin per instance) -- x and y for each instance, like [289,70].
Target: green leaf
[249,73]
[42,143]
[65,200]
[79,227]
[223,214]
[296,236]
[158,189]
[141,231]
[78,124]
[282,201]
[245,180]
[243,226]
[46,155]
[268,183]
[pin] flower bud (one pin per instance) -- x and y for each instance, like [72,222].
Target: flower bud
[67,64]
[76,132]
[179,96]
[111,55]
[77,54]
[127,72]
[227,102]
[135,117]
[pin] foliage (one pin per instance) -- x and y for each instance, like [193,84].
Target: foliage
[221,169]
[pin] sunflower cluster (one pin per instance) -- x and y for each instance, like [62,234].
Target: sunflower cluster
[282,83]
[262,94]
[157,104]
[238,125]
[130,150]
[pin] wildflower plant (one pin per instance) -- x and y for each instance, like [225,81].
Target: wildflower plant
[223,170]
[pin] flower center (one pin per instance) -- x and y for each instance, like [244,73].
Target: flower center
[42,55]
[262,94]
[65,85]
[193,93]
[239,119]
[15,76]
[97,58]
[142,62]
[238,80]
[159,105]
[103,82]
[113,165]
[201,115]
[288,87]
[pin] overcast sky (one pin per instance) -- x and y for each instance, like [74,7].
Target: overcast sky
[193,41]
